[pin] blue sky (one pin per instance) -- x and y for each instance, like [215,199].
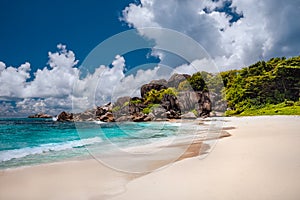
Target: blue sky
[29,29]
[42,44]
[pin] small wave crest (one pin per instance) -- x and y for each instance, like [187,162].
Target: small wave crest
[99,122]
[20,153]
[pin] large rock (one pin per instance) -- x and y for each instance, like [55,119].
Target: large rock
[218,103]
[160,82]
[189,100]
[150,86]
[199,101]
[172,114]
[176,79]
[85,116]
[122,100]
[170,102]
[138,117]
[102,110]
[124,118]
[149,117]
[205,105]
[108,117]
[188,115]
[64,116]
[40,115]
[159,112]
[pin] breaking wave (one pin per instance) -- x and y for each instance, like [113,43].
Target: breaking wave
[20,153]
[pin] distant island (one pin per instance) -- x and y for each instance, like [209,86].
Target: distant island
[264,88]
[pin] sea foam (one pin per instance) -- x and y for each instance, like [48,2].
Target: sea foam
[20,153]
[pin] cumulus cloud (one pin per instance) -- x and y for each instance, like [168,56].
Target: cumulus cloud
[59,86]
[264,29]
[2,66]
[13,80]
[49,86]
[106,84]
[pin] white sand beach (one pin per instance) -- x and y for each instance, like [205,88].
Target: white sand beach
[259,161]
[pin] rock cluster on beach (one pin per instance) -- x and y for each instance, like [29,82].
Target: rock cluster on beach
[160,100]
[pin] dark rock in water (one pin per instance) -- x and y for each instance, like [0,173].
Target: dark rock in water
[86,116]
[102,110]
[40,115]
[64,116]
[176,79]
[150,86]
[124,118]
[108,117]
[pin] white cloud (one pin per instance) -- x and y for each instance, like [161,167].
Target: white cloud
[268,28]
[63,58]
[59,87]
[2,66]
[203,64]
[106,84]
[13,80]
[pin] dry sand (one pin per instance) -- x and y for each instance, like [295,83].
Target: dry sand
[69,180]
[261,160]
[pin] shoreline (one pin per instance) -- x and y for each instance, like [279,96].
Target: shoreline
[88,179]
[156,144]
[72,178]
[259,161]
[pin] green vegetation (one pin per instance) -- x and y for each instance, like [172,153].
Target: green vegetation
[146,111]
[136,101]
[197,81]
[126,104]
[154,96]
[184,86]
[270,109]
[203,81]
[263,88]
[150,108]
[116,109]
[195,112]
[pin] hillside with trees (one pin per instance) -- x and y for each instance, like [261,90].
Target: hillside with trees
[270,87]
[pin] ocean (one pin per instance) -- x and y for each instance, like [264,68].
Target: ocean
[25,141]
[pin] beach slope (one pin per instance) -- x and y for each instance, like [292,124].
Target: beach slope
[261,160]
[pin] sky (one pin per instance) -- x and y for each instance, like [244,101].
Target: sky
[44,43]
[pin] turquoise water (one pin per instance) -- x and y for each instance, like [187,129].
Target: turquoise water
[34,141]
